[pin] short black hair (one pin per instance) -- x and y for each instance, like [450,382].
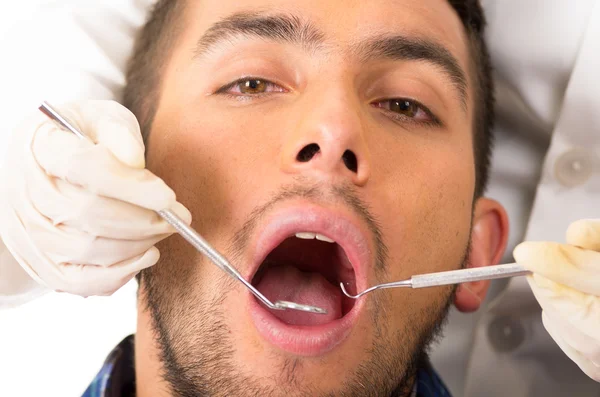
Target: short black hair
[156,39]
[473,19]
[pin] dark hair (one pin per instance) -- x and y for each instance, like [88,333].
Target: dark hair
[151,53]
[157,38]
[471,14]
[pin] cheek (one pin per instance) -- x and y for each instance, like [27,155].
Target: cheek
[426,213]
[214,165]
[428,192]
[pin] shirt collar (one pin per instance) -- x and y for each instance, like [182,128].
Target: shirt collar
[117,376]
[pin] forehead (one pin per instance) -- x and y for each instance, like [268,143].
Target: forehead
[346,22]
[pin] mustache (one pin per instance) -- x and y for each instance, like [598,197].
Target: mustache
[317,193]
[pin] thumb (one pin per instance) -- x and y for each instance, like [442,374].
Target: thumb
[562,263]
[111,125]
[585,233]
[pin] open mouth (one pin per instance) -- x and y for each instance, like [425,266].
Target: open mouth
[302,253]
[307,268]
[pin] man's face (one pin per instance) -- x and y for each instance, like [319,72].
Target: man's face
[334,120]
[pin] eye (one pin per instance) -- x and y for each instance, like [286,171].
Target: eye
[250,86]
[253,86]
[408,110]
[405,107]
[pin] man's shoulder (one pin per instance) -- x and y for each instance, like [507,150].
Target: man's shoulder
[429,384]
[116,378]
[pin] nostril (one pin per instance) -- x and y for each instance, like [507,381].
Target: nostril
[308,152]
[350,161]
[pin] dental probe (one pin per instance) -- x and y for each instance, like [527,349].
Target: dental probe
[192,236]
[450,277]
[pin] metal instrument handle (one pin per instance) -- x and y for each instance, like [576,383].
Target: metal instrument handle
[468,275]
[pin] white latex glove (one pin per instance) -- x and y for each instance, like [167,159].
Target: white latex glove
[16,287]
[566,283]
[79,217]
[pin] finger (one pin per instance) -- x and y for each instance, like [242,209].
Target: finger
[182,212]
[65,204]
[587,345]
[22,249]
[20,140]
[104,281]
[65,246]
[95,169]
[579,310]
[38,237]
[111,125]
[14,281]
[565,264]
[585,233]
[71,278]
[588,367]
[94,237]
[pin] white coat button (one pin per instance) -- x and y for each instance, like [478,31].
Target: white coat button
[506,333]
[575,167]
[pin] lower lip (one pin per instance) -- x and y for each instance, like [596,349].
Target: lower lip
[303,340]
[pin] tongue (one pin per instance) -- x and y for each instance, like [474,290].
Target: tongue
[288,283]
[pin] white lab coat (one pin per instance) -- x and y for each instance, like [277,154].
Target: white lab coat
[548,105]
[546,55]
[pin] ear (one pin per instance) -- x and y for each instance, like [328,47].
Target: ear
[488,242]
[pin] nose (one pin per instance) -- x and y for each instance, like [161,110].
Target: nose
[329,140]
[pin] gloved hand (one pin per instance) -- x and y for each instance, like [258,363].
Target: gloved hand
[79,217]
[16,287]
[566,283]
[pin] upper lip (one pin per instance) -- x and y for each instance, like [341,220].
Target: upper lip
[292,219]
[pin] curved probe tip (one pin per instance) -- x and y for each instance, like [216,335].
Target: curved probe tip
[347,294]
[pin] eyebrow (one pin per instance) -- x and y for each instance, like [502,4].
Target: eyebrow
[291,29]
[416,49]
[283,28]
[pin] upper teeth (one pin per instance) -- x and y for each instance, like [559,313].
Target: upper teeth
[312,236]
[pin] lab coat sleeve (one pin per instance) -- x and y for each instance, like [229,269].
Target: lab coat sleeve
[81,54]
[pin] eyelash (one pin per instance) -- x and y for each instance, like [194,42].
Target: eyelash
[431,121]
[225,90]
